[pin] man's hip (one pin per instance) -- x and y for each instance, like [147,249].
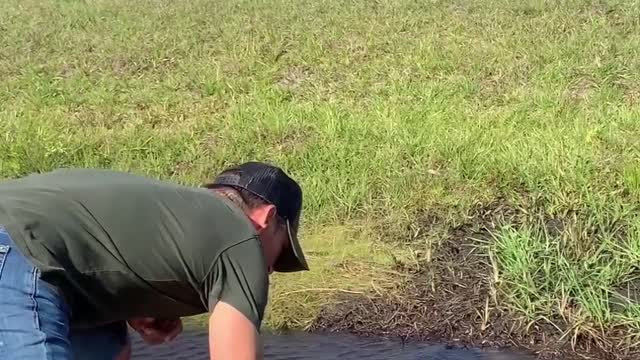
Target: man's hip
[34,320]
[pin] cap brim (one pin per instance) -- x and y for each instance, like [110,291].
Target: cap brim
[292,258]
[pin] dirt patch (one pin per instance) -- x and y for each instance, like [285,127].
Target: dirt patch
[451,298]
[632,97]
[293,78]
[630,91]
[122,66]
[293,139]
[581,89]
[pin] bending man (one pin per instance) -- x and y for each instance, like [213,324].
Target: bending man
[84,251]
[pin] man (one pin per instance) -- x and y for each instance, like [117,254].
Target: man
[83,252]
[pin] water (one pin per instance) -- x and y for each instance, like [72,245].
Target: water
[192,345]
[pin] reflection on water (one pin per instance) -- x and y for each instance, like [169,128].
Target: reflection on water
[192,345]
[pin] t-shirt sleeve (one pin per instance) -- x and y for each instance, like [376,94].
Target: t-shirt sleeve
[239,277]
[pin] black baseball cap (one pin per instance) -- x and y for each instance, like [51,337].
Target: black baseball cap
[273,185]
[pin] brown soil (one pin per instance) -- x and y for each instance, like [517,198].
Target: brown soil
[451,299]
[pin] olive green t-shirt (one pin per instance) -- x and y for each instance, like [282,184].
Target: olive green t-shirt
[119,245]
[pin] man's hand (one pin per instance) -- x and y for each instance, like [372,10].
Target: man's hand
[156,331]
[232,335]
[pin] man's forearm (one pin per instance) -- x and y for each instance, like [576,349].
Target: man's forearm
[232,335]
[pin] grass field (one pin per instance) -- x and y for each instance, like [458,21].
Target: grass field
[388,112]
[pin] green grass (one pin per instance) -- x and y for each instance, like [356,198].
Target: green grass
[383,110]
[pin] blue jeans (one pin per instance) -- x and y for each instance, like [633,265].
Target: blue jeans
[34,318]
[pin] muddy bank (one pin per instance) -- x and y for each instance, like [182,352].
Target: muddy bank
[451,297]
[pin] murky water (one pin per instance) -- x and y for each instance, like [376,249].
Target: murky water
[192,345]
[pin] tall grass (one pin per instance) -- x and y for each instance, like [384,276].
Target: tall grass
[581,282]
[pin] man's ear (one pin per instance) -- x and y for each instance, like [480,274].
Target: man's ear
[261,215]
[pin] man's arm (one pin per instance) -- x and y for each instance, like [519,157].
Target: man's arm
[232,335]
[237,289]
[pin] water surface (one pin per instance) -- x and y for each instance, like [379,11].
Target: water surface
[192,345]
